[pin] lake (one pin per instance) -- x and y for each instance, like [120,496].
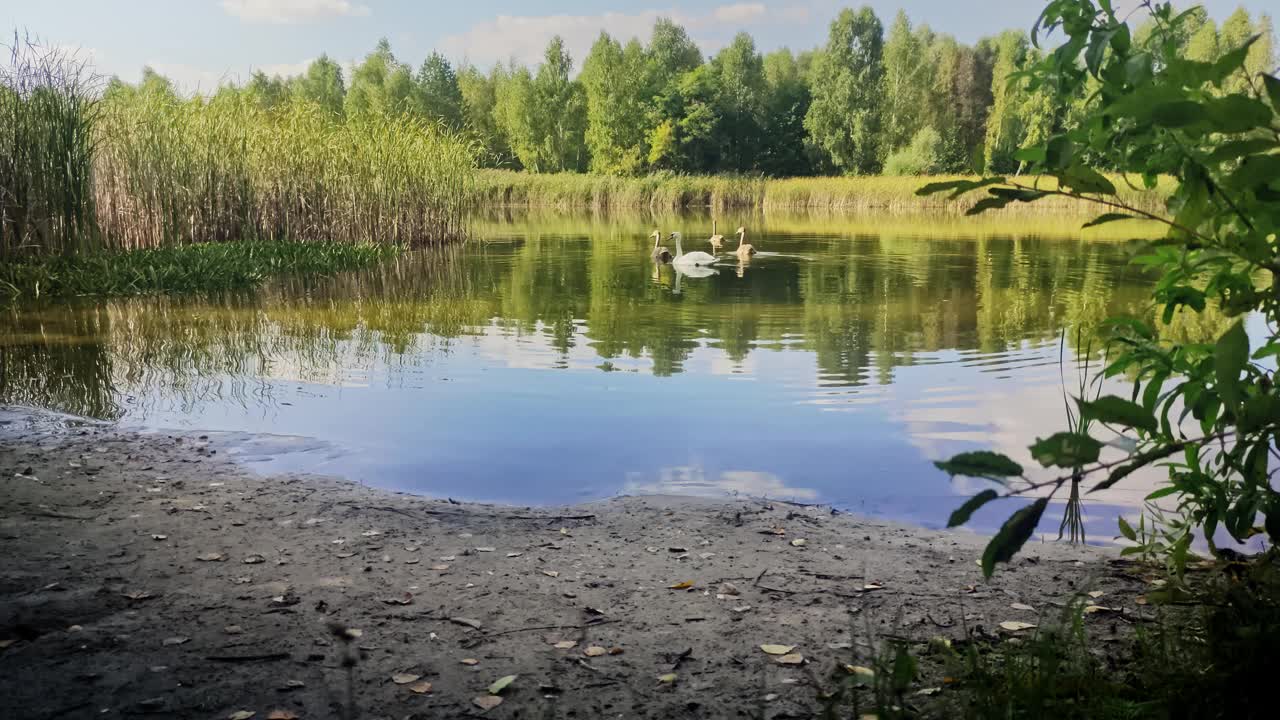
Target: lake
[549,361]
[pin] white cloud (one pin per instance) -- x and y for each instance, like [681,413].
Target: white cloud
[524,38]
[739,13]
[287,12]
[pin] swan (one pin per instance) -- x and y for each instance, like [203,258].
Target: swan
[694,259]
[659,254]
[743,250]
[716,238]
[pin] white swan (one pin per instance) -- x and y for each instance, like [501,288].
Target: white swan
[697,258]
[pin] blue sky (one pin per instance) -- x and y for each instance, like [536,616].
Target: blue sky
[199,42]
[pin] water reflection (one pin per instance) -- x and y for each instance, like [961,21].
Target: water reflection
[552,360]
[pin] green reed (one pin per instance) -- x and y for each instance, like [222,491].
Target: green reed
[668,192]
[47,120]
[139,167]
[174,171]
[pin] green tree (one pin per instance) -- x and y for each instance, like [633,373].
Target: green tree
[322,84]
[267,92]
[479,113]
[843,119]
[1004,120]
[515,115]
[741,97]
[560,112]
[785,150]
[437,92]
[907,78]
[617,93]
[380,85]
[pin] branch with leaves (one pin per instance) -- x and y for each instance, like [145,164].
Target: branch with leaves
[1154,114]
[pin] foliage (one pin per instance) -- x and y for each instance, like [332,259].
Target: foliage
[189,268]
[844,118]
[922,157]
[1214,128]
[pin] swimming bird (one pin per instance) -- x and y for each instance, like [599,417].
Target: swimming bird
[696,258]
[659,254]
[743,250]
[716,238]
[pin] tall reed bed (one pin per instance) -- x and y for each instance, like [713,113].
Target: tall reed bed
[47,116]
[666,192]
[176,171]
[83,170]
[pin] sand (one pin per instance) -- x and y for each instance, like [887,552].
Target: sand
[150,574]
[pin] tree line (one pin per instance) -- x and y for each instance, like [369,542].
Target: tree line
[901,101]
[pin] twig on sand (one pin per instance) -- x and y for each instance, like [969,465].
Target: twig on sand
[472,642]
[60,516]
[266,657]
[495,516]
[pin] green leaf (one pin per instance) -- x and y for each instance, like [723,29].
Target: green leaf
[1237,114]
[980,464]
[501,684]
[1012,536]
[1085,179]
[1126,529]
[1230,356]
[965,511]
[1108,218]
[1237,149]
[1118,411]
[1031,155]
[1178,114]
[1066,450]
[1273,89]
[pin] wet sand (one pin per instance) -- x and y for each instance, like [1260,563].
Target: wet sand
[150,575]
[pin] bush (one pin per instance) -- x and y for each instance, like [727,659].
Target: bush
[923,156]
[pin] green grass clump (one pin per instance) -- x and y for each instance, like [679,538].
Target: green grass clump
[670,192]
[188,268]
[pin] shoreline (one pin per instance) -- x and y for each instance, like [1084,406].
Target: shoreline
[150,574]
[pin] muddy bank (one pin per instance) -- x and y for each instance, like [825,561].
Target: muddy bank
[146,574]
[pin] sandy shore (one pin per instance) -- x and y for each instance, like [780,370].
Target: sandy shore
[146,574]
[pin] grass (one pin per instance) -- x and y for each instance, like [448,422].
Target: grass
[724,192]
[186,268]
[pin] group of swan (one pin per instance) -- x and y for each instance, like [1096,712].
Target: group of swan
[697,258]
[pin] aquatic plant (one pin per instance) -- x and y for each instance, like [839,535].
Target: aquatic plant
[203,267]
[173,171]
[48,113]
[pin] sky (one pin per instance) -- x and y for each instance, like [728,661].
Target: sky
[201,43]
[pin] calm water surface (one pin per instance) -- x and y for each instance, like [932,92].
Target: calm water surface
[550,361]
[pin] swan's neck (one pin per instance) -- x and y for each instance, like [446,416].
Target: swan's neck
[679,250]
[742,235]
[713,227]
[656,237]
